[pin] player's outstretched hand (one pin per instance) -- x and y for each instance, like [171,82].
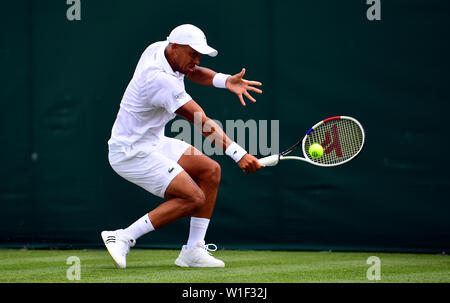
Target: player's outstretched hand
[238,85]
[249,163]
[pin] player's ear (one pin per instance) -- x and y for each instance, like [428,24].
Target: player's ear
[176,47]
[173,46]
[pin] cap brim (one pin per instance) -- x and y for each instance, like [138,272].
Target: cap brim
[205,50]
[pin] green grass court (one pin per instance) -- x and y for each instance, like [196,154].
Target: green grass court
[156,266]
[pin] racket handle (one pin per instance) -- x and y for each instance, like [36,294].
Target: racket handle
[269,161]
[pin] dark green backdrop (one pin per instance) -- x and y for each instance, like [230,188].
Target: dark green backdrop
[62,82]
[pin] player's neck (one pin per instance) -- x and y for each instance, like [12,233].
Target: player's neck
[168,53]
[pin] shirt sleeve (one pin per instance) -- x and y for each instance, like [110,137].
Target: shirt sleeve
[168,92]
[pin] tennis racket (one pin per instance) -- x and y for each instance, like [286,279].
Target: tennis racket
[341,137]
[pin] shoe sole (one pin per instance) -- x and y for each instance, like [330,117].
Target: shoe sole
[179,262]
[103,234]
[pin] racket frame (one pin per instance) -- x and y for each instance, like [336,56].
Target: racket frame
[283,155]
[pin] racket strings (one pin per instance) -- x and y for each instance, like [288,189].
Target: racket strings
[341,140]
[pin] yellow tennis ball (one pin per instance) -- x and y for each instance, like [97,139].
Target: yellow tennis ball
[316,150]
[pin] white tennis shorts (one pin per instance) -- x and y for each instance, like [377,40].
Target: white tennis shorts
[153,170]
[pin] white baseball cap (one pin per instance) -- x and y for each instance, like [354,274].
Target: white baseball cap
[188,34]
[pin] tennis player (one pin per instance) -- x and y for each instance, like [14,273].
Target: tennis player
[166,167]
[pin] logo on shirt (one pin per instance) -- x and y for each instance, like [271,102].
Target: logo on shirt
[179,96]
[171,169]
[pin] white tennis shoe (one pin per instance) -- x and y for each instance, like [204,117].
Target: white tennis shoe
[118,245]
[198,256]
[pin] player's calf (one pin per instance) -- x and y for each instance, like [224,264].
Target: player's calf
[212,175]
[193,203]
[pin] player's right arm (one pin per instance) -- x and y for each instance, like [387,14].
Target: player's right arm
[192,112]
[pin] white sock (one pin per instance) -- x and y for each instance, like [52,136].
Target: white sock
[140,227]
[197,231]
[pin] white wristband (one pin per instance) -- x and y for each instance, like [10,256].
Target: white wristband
[235,152]
[220,79]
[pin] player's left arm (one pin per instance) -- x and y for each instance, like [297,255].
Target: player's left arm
[235,83]
[202,75]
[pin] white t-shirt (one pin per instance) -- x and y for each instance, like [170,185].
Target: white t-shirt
[153,95]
